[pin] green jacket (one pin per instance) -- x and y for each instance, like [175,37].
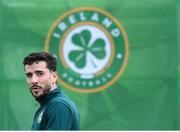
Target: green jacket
[56,112]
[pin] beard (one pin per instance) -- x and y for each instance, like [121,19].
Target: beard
[40,91]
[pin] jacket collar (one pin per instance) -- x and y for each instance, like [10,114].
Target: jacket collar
[47,97]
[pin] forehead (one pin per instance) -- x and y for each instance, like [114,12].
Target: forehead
[40,66]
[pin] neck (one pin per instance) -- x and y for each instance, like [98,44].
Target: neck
[53,87]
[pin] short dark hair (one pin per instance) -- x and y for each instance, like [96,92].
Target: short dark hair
[35,57]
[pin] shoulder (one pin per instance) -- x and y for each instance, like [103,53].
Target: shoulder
[58,104]
[61,104]
[57,110]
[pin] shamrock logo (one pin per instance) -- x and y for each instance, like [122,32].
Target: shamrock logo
[87,49]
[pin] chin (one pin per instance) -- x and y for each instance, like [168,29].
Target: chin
[38,95]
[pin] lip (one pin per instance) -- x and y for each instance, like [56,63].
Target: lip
[35,88]
[36,91]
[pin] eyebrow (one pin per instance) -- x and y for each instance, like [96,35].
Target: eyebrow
[39,71]
[35,72]
[28,73]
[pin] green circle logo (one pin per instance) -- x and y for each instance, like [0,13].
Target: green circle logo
[92,49]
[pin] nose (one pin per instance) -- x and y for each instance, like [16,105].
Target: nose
[34,79]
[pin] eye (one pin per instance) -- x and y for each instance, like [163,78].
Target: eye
[28,75]
[39,74]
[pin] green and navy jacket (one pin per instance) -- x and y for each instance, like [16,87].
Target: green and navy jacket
[56,112]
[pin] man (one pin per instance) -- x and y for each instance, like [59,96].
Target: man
[57,111]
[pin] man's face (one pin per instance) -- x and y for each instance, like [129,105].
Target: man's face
[39,79]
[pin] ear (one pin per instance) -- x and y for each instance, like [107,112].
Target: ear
[54,76]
